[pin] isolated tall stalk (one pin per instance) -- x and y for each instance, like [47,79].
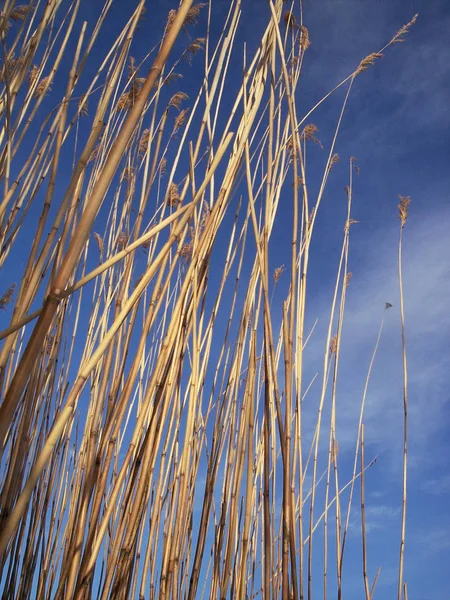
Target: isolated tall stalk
[403,216]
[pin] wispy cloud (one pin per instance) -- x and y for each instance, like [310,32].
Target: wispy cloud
[377,517]
[437,486]
[427,289]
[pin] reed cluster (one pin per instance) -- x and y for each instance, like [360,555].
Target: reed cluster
[152,431]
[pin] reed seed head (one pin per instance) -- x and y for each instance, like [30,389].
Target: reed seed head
[398,37]
[122,240]
[190,19]
[333,345]
[173,195]
[334,159]
[355,166]
[177,99]
[7,296]
[163,166]
[290,20]
[368,61]
[171,77]
[305,42]
[180,120]
[42,88]
[11,66]
[99,240]
[192,49]
[309,132]
[143,142]
[19,13]
[32,75]
[193,13]
[403,208]
[278,273]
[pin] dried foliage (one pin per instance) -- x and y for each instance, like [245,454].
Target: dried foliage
[173,195]
[403,209]
[12,66]
[278,273]
[164,375]
[187,248]
[368,61]
[42,88]
[305,42]
[180,120]
[7,297]
[99,240]
[19,12]
[309,132]
[333,344]
[33,75]
[143,142]
[399,36]
[122,240]
[128,98]
[290,20]
[172,78]
[191,17]
[163,165]
[194,13]
[334,159]
[83,106]
[177,99]
[193,48]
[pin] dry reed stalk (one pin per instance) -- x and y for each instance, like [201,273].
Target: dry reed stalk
[363,521]
[403,208]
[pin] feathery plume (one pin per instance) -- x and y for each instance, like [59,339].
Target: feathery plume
[177,99]
[403,206]
[42,88]
[173,196]
[305,42]
[99,240]
[143,142]
[180,120]
[368,61]
[398,37]
[19,13]
[308,134]
[122,240]
[278,273]
[7,296]
[193,48]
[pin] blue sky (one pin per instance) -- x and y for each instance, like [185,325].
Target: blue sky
[397,126]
